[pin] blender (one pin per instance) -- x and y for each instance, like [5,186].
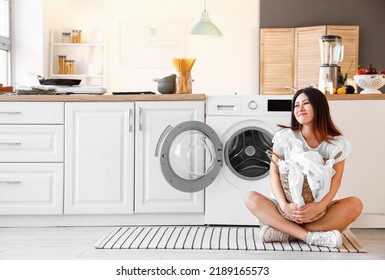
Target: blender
[332,53]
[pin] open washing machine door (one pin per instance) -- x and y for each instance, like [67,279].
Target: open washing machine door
[190,155]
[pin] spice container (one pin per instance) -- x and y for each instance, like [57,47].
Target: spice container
[62,64]
[66,37]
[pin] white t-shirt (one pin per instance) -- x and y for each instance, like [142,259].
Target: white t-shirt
[285,139]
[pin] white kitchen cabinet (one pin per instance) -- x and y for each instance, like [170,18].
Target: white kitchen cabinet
[99,158]
[31,188]
[101,153]
[31,158]
[362,123]
[31,113]
[31,143]
[153,194]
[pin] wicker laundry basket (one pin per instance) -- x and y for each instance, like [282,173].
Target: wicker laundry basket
[306,191]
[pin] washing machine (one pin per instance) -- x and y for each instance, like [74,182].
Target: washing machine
[226,156]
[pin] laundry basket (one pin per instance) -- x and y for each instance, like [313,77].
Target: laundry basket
[307,195]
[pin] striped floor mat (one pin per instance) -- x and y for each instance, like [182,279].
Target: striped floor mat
[209,238]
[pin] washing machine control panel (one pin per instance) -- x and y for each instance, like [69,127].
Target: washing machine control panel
[248,105]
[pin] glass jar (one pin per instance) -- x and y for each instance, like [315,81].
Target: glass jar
[184,82]
[66,37]
[326,85]
[76,36]
[70,67]
[62,64]
[79,36]
[73,36]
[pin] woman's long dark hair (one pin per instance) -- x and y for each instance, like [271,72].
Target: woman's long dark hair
[322,121]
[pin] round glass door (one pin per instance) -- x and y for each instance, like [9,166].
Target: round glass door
[245,153]
[191,156]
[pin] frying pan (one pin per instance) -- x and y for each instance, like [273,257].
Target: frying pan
[57,82]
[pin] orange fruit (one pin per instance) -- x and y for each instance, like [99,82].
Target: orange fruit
[334,90]
[341,90]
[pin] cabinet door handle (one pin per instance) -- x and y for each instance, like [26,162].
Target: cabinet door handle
[140,119]
[10,182]
[130,120]
[10,112]
[10,143]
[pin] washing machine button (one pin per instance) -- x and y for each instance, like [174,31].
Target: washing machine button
[252,105]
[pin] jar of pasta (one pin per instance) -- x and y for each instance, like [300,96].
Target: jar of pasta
[70,67]
[62,64]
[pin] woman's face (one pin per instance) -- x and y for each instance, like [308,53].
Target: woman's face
[303,110]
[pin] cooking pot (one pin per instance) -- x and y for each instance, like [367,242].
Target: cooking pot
[167,85]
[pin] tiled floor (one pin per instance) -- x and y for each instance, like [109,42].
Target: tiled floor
[72,243]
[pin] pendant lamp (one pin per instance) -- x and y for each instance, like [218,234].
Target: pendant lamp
[205,26]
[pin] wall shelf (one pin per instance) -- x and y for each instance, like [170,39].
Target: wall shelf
[89,60]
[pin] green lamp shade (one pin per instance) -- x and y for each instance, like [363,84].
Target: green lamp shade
[205,27]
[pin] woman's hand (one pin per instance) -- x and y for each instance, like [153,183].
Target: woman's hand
[307,212]
[290,209]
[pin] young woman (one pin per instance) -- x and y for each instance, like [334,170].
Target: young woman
[312,132]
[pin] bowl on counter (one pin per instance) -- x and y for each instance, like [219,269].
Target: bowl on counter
[370,83]
[167,85]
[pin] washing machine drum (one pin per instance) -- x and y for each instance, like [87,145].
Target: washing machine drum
[245,153]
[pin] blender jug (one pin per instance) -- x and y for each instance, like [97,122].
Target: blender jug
[332,50]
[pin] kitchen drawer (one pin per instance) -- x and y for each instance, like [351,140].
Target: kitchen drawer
[31,143]
[31,113]
[30,188]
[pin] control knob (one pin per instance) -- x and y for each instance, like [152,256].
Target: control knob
[252,105]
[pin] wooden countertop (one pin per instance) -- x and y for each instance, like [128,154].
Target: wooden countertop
[101,98]
[355,96]
[150,97]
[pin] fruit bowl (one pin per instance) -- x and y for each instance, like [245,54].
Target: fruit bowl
[370,83]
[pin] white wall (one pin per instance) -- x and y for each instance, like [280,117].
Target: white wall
[223,65]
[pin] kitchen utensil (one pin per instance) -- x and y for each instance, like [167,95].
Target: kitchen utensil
[57,82]
[332,50]
[131,92]
[332,53]
[167,85]
[370,83]
[60,82]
